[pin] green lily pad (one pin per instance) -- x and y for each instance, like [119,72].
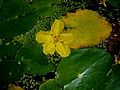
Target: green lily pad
[84,69]
[18,26]
[49,85]
[48,11]
[13,87]
[45,7]
[38,4]
[1,3]
[10,71]
[88,28]
[115,3]
[114,82]
[35,60]
[8,49]
[13,8]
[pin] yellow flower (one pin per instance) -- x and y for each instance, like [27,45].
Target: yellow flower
[55,39]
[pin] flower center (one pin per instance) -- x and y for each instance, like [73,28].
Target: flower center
[55,39]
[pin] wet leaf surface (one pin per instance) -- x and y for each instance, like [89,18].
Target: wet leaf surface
[37,63]
[82,69]
[88,28]
[11,71]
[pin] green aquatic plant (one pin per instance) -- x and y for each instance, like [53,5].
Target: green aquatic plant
[31,34]
[88,28]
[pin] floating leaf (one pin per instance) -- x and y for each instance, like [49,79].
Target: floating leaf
[88,28]
[45,7]
[38,4]
[18,26]
[8,49]
[50,85]
[84,69]
[35,60]
[10,70]
[115,3]
[14,8]
[114,83]
[13,87]
[1,3]
[16,17]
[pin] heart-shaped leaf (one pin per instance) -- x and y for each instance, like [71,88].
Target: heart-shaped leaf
[13,8]
[45,7]
[18,26]
[1,3]
[35,60]
[10,71]
[84,69]
[88,28]
[115,3]
[114,83]
[8,49]
[50,85]
[13,87]
[16,17]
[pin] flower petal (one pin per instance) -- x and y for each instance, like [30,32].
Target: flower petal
[49,48]
[66,38]
[62,49]
[43,37]
[57,27]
